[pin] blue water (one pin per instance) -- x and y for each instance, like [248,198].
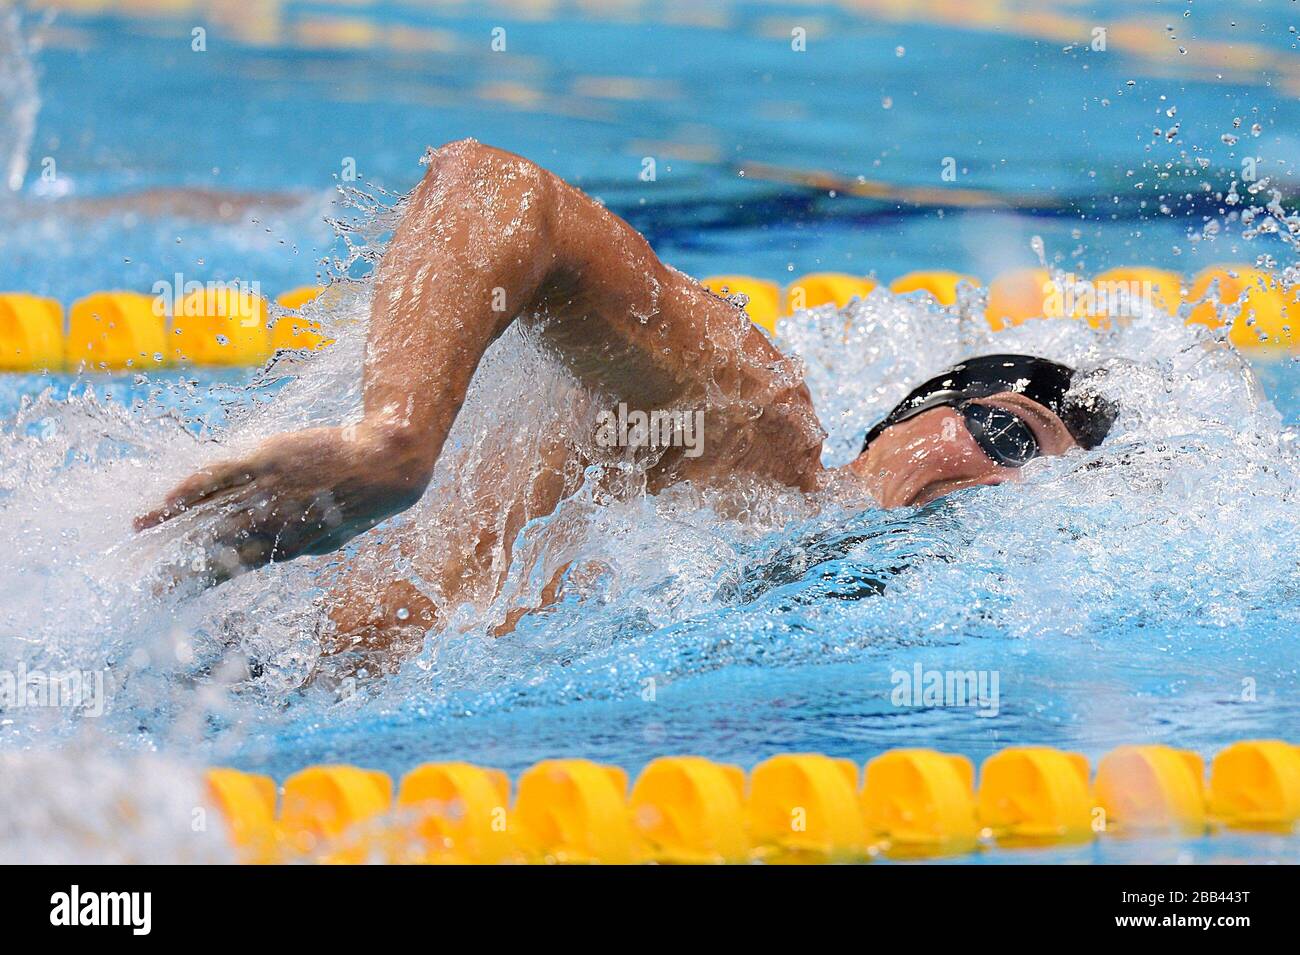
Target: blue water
[1151,597]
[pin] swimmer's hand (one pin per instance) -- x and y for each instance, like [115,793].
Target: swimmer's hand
[306,492]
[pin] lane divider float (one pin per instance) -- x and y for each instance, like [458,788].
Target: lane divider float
[31,332]
[804,808]
[455,813]
[1152,788]
[1035,795]
[691,810]
[919,802]
[115,330]
[122,330]
[227,326]
[1262,311]
[791,808]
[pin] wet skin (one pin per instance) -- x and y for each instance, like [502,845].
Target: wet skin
[486,239]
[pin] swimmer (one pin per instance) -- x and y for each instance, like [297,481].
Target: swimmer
[487,239]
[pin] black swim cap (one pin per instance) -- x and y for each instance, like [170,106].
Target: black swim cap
[1088,417]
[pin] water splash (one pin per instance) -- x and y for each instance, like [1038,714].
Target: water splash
[81,804]
[19,100]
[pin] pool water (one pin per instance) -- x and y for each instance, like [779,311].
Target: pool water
[1146,591]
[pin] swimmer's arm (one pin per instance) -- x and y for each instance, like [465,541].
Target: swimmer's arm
[375,606]
[486,237]
[472,237]
[490,237]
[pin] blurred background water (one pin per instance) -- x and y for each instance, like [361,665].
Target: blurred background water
[1101,152]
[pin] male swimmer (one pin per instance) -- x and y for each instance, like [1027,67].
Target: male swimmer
[489,238]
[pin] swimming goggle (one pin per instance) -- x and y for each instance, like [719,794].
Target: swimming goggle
[1002,435]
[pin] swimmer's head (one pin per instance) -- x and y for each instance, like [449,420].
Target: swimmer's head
[978,423]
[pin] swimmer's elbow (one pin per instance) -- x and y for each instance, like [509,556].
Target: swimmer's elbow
[402,458]
[471,160]
[512,196]
[468,146]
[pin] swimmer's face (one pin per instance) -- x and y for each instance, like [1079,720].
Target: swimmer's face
[934,453]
